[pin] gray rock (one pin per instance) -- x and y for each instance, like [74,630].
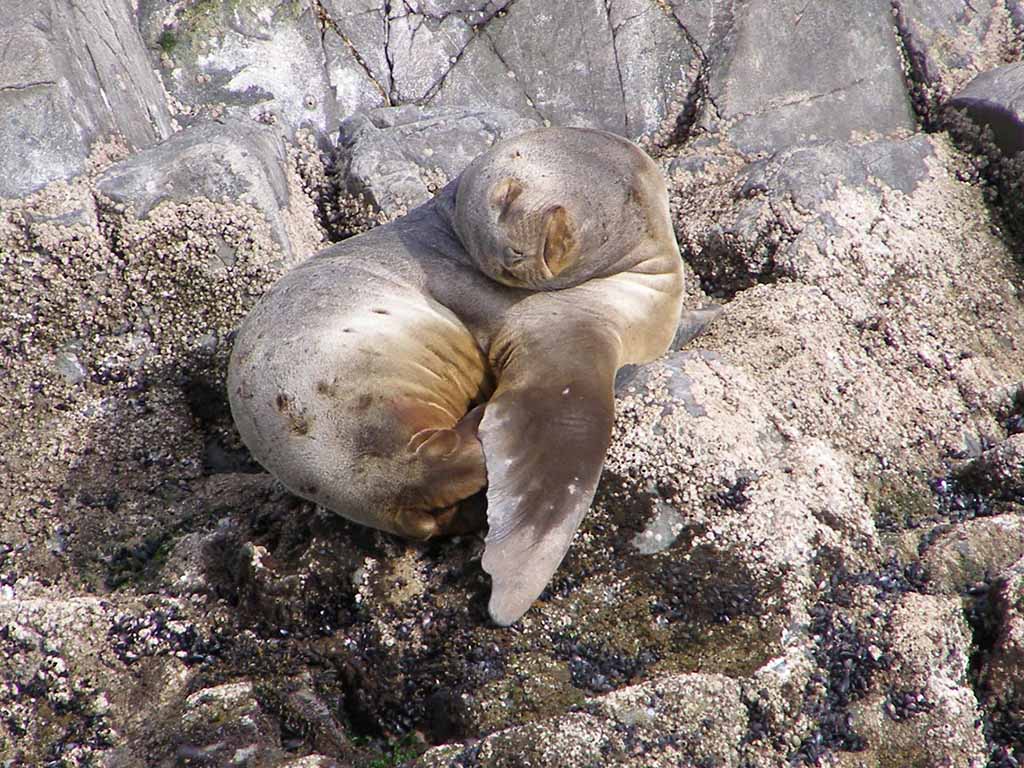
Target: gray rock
[979,549]
[994,100]
[692,323]
[947,42]
[310,761]
[633,721]
[639,70]
[70,367]
[841,262]
[927,713]
[1011,642]
[640,78]
[409,49]
[696,17]
[232,160]
[1001,672]
[397,158]
[770,198]
[729,600]
[812,175]
[784,73]
[999,471]
[71,74]
[271,61]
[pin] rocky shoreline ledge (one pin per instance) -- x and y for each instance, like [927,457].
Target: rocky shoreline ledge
[808,543]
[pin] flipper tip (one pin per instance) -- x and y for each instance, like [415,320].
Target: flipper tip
[506,609]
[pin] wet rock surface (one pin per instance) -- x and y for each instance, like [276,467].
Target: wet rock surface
[806,546]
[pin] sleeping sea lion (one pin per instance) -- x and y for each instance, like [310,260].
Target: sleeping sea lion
[472,343]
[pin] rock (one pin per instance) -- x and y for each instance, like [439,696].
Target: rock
[71,76]
[267,60]
[999,471]
[232,702]
[225,725]
[635,89]
[694,322]
[927,714]
[509,55]
[974,552]
[46,657]
[648,724]
[233,160]
[70,366]
[838,309]
[1000,616]
[798,510]
[409,50]
[766,204]
[768,90]
[692,435]
[398,158]
[75,657]
[310,761]
[314,68]
[985,117]
[947,43]
[1014,410]
[994,100]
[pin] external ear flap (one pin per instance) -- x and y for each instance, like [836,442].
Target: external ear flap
[504,194]
[559,240]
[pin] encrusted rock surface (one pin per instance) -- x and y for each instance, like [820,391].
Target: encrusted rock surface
[233,160]
[995,100]
[807,545]
[948,42]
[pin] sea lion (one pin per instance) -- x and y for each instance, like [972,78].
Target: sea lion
[472,343]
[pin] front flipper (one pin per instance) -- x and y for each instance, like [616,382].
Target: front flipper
[545,433]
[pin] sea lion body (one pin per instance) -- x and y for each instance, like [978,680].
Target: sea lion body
[471,343]
[345,360]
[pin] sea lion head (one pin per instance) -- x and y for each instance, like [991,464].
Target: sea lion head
[554,207]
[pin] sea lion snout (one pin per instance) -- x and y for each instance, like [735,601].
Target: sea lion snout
[512,258]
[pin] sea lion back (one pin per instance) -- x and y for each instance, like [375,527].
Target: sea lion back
[338,367]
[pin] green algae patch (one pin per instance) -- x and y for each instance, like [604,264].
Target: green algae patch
[738,649]
[902,502]
[202,19]
[167,41]
[536,686]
